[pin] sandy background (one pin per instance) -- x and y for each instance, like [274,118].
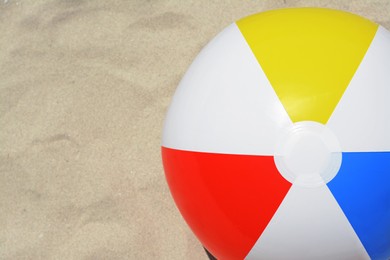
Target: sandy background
[84,87]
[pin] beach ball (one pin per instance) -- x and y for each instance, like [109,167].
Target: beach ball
[277,142]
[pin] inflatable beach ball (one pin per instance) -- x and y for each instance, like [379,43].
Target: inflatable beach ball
[277,141]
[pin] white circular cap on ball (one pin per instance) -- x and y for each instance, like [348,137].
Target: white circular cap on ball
[308,154]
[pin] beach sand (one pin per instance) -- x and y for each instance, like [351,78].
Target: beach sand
[84,88]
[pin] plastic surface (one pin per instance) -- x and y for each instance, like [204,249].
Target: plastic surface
[277,145]
[308,55]
[226,199]
[225,103]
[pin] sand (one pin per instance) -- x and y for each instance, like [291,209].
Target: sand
[84,88]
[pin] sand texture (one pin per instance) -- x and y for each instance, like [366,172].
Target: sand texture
[84,88]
